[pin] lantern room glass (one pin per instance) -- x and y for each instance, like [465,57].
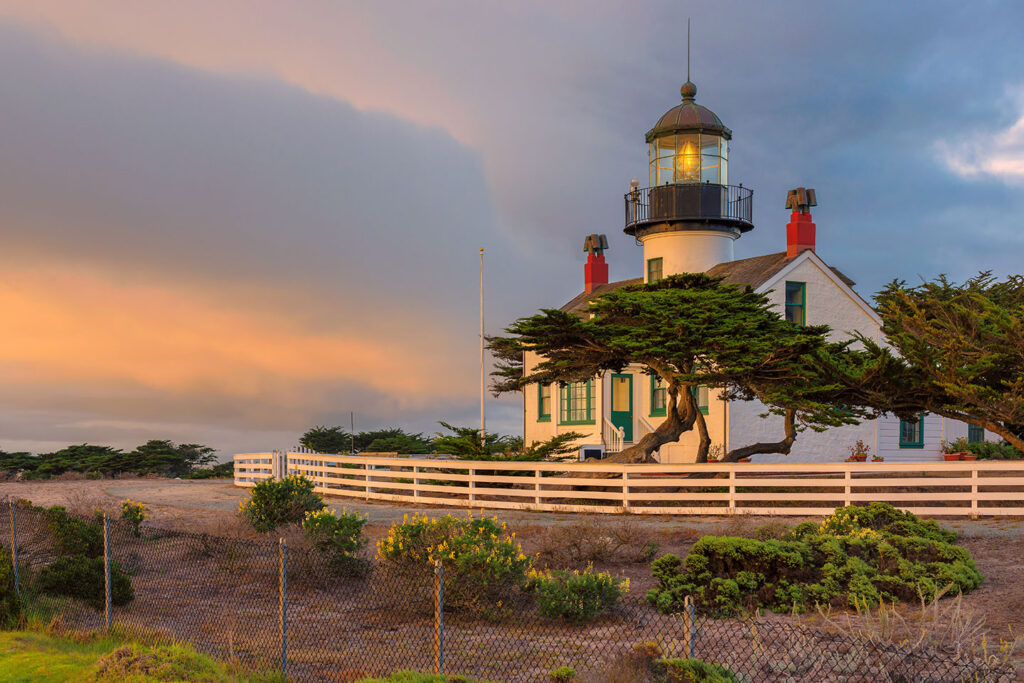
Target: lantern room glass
[689,158]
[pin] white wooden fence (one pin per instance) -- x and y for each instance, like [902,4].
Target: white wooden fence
[933,488]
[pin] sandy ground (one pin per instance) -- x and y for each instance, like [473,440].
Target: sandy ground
[997,544]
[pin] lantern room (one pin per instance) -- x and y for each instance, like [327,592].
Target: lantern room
[689,144]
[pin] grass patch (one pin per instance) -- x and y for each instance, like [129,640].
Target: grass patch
[48,658]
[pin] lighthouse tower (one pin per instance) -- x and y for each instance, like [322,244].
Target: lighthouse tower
[689,216]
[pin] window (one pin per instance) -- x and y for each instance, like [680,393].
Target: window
[912,433]
[654,269]
[577,403]
[659,400]
[796,302]
[543,403]
[975,434]
[701,394]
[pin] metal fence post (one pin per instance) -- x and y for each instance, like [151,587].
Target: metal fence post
[14,546]
[689,627]
[106,571]
[284,606]
[438,618]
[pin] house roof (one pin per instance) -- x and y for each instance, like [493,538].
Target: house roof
[754,271]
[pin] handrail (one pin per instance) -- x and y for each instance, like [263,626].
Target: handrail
[612,436]
[709,202]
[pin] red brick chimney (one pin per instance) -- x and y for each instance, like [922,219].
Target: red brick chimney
[800,231]
[595,272]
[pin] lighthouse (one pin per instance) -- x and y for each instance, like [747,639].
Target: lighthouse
[689,216]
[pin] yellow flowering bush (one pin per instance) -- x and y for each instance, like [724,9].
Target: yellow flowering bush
[274,502]
[481,560]
[132,513]
[576,596]
[339,537]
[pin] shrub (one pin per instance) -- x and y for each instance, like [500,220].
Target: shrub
[10,601]
[81,577]
[991,450]
[339,537]
[74,535]
[274,502]
[690,671]
[132,513]
[562,674]
[481,562]
[576,596]
[857,556]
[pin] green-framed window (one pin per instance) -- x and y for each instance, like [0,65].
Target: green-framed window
[796,302]
[975,434]
[659,397]
[701,394]
[543,403]
[577,403]
[655,269]
[912,433]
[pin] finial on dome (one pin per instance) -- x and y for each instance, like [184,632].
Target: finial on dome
[688,91]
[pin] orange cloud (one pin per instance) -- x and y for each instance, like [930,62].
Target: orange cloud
[69,327]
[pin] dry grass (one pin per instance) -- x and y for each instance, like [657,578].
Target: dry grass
[592,541]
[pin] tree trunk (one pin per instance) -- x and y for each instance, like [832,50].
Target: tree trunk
[783,446]
[680,417]
[988,425]
[705,439]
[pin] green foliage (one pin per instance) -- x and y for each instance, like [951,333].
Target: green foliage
[480,560]
[83,578]
[74,535]
[392,440]
[562,674]
[957,350]
[10,601]
[465,443]
[991,450]
[690,671]
[222,470]
[274,502]
[153,457]
[339,537]
[577,597]
[855,556]
[132,514]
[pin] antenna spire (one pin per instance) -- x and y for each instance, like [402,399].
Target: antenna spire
[689,90]
[687,48]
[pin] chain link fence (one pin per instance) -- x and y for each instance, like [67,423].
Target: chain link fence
[266,605]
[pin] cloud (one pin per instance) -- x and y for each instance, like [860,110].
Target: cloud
[997,154]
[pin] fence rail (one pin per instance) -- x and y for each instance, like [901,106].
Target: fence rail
[946,488]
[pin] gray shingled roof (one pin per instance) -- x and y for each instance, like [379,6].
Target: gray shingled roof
[754,271]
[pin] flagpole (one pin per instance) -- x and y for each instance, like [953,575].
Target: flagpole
[482,379]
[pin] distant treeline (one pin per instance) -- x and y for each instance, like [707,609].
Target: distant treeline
[161,457]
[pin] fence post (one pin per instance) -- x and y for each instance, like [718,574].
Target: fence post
[848,477]
[974,493]
[625,490]
[415,481]
[106,571]
[14,545]
[536,486]
[732,488]
[283,572]
[438,618]
[472,485]
[688,627]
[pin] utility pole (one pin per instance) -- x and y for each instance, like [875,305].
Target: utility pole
[352,430]
[482,379]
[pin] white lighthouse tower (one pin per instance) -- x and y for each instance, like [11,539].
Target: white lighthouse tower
[689,217]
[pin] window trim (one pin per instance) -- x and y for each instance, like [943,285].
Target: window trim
[707,397]
[661,268]
[541,415]
[565,401]
[913,444]
[658,412]
[803,302]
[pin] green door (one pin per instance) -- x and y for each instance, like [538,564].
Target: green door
[622,404]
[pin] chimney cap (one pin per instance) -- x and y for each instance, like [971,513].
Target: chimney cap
[801,199]
[595,244]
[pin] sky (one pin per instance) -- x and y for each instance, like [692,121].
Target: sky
[225,222]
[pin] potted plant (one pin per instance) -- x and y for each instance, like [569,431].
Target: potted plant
[877,458]
[859,452]
[955,450]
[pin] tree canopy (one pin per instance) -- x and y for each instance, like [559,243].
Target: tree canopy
[692,330]
[957,351]
[390,440]
[465,443]
[156,456]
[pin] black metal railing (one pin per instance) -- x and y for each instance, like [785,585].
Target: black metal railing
[730,204]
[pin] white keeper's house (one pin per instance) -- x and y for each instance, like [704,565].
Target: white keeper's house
[688,220]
